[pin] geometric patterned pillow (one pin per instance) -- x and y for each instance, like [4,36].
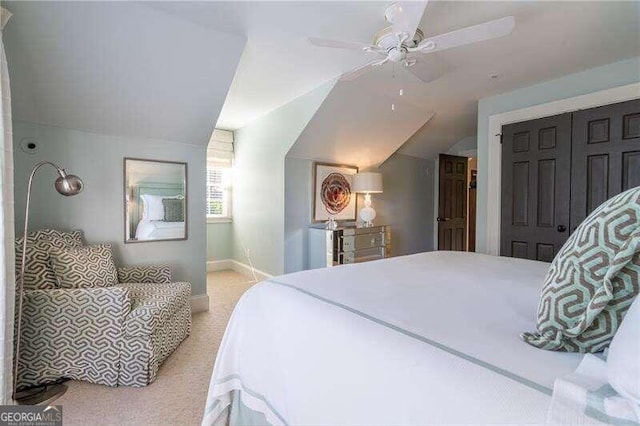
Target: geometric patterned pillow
[84,267]
[38,271]
[173,209]
[593,280]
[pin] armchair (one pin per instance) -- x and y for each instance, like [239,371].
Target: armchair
[115,336]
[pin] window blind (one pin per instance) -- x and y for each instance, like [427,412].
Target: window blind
[220,148]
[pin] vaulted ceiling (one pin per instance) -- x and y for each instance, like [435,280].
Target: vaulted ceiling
[163,69]
[551,39]
[118,68]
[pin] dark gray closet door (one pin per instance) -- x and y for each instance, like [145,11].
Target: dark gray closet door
[606,155]
[536,164]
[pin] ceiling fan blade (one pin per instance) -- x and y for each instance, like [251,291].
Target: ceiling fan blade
[353,74]
[474,34]
[407,16]
[427,71]
[325,42]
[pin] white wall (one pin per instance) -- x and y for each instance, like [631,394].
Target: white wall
[584,82]
[259,181]
[99,209]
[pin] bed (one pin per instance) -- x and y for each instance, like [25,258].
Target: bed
[147,223]
[431,338]
[158,229]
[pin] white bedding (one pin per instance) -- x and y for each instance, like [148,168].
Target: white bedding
[431,338]
[158,229]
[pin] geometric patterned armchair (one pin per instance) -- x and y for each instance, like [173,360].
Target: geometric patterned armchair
[116,336]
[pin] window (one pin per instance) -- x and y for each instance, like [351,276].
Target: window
[218,191]
[219,160]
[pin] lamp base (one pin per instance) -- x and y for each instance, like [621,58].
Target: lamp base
[367,214]
[44,395]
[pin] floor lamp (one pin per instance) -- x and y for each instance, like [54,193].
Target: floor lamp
[67,185]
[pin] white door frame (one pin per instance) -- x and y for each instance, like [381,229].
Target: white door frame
[494,152]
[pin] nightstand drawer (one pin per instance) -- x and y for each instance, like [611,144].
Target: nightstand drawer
[362,241]
[363,255]
[348,244]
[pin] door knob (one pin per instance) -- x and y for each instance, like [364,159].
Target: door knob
[442,219]
[562,228]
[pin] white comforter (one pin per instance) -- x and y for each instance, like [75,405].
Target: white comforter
[158,229]
[431,338]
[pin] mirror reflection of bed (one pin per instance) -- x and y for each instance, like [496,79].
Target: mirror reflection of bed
[155,200]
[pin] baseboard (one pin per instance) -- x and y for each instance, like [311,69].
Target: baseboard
[246,270]
[234,265]
[199,303]
[219,265]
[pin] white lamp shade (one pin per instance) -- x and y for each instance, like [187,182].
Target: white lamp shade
[369,182]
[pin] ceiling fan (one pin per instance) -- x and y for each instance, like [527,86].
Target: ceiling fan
[404,43]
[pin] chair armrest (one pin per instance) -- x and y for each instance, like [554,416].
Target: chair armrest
[153,274]
[63,306]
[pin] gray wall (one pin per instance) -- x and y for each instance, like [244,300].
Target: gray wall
[259,181]
[592,80]
[406,205]
[219,241]
[98,211]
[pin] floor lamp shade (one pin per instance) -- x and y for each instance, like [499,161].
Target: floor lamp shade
[367,183]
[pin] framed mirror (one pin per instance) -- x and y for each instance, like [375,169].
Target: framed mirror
[155,200]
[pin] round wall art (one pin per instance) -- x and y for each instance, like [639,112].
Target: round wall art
[333,192]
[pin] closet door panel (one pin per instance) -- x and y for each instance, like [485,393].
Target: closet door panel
[605,155]
[536,162]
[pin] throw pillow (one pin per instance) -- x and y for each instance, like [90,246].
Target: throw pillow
[173,209]
[592,280]
[39,274]
[84,267]
[623,362]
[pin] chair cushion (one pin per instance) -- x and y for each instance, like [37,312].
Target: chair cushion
[39,273]
[84,267]
[153,304]
[593,279]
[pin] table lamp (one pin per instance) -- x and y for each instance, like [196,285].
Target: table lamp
[367,183]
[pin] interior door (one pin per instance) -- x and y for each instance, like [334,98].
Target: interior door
[452,203]
[606,155]
[536,164]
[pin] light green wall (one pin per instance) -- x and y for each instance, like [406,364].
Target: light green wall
[258,186]
[592,80]
[98,210]
[219,241]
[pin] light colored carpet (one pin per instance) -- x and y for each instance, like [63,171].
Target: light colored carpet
[178,395]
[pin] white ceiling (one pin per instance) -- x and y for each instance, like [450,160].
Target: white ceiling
[342,130]
[118,68]
[551,39]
